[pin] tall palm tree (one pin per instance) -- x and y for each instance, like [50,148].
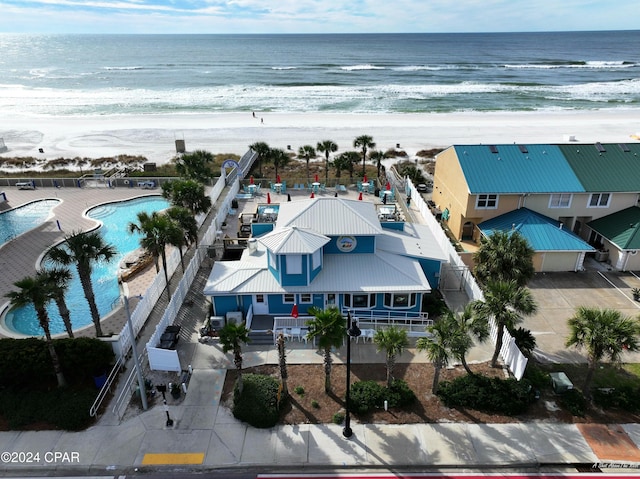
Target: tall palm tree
[329,327]
[187,222]
[187,193]
[58,280]
[438,347]
[84,249]
[195,166]
[341,162]
[307,152]
[157,232]
[603,333]
[327,147]
[282,361]
[262,149]
[377,156]
[393,341]
[232,337]
[351,160]
[279,158]
[35,290]
[467,327]
[506,302]
[364,142]
[504,256]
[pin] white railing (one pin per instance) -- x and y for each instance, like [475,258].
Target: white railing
[106,387]
[122,401]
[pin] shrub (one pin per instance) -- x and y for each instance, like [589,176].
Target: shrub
[83,358]
[25,364]
[399,394]
[338,418]
[299,390]
[538,378]
[315,404]
[258,403]
[493,395]
[624,397]
[573,401]
[366,395]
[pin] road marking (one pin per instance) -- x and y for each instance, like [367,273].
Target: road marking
[173,458]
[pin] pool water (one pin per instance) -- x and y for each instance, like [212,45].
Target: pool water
[115,218]
[19,220]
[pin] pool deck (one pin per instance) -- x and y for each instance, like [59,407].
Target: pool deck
[19,257]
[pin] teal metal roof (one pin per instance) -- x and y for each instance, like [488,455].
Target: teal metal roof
[621,228]
[606,167]
[542,233]
[516,169]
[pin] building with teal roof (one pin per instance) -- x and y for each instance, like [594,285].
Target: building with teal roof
[619,235]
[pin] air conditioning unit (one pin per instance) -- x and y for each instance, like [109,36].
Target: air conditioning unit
[234,317]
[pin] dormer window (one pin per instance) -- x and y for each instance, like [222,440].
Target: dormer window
[599,200]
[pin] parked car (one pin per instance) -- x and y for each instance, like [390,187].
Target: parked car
[422,188]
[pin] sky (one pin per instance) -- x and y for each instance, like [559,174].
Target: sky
[314,16]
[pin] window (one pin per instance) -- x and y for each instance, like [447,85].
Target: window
[359,300]
[294,264]
[289,298]
[400,300]
[259,298]
[487,202]
[306,298]
[599,200]
[560,200]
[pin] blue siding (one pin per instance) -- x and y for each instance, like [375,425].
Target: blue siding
[294,279]
[223,304]
[392,225]
[431,269]
[259,229]
[364,244]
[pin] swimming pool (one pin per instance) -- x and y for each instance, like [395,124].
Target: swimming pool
[24,218]
[115,218]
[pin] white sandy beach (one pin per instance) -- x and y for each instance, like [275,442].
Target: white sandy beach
[153,136]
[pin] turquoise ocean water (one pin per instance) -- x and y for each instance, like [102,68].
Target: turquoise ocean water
[45,75]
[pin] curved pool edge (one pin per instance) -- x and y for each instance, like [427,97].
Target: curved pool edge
[48,218]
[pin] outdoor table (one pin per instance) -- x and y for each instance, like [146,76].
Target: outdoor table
[316,186]
[278,187]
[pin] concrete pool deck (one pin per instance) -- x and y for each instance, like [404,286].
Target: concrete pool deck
[19,257]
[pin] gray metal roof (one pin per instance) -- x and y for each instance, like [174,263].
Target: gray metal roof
[416,240]
[294,240]
[331,216]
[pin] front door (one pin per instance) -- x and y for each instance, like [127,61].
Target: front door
[260,304]
[330,300]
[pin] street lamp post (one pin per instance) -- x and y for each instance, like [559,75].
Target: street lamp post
[134,351]
[352,332]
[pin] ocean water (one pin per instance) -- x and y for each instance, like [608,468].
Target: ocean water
[182,74]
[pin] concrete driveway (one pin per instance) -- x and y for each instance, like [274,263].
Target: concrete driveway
[559,294]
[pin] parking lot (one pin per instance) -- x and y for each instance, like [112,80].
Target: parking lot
[559,294]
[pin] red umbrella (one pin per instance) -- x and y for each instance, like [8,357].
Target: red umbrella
[388,187]
[364,180]
[278,179]
[268,198]
[251,179]
[360,196]
[316,177]
[312,195]
[294,310]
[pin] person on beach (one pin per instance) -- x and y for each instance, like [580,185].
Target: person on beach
[261,120]
[254,114]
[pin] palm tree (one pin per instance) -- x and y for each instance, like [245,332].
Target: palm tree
[364,142]
[232,337]
[506,302]
[437,347]
[377,156]
[35,290]
[279,158]
[329,327]
[262,149]
[58,280]
[307,152]
[504,256]
[195,166]
[187,222]
[327,147]
[394,341]
[187,193]
[342,162]
[466,327]
[157,231]
[176,237]
[603,333]
[351,159]
[84,249]
[282,361]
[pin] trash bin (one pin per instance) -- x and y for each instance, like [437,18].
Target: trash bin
[560,382]
[234,204]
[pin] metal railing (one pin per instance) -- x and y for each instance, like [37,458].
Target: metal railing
[121,402]
[106,387]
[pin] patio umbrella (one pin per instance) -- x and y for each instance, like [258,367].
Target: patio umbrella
[288,197]
[388,187]
[251,180]
[364,180]
[278,179]
[360,196]
[268,198]
[294,310]
[312,195]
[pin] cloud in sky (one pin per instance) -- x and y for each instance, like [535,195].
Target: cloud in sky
[313,16]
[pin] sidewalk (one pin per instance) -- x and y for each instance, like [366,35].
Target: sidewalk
[205,435]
